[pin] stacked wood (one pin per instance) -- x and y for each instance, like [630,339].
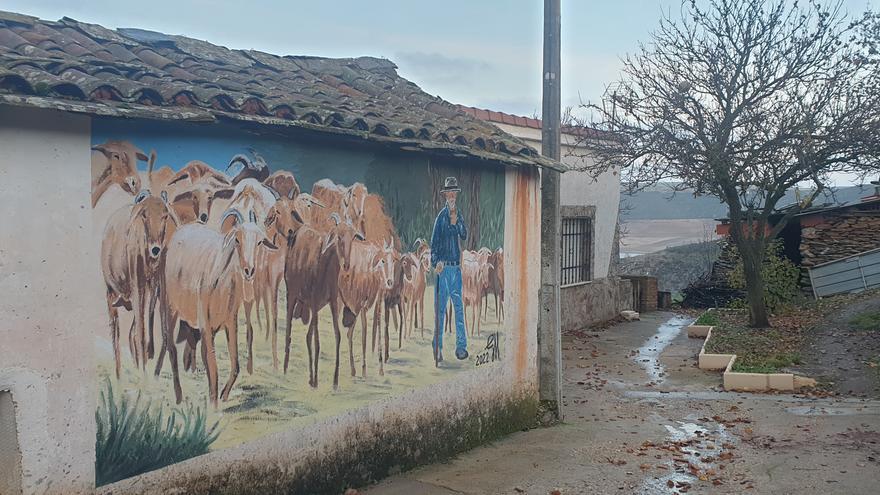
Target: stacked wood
[714,290]
[840,235]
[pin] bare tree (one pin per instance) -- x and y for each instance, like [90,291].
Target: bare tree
[743,100]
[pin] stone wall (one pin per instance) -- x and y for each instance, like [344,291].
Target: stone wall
[594,302]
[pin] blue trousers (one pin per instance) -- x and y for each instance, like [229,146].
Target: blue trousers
[449,286]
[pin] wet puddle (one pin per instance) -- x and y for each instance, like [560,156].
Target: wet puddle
[818,410]
[648,356]
[696,448]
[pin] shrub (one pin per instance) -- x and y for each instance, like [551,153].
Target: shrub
[134,437]
[781,279]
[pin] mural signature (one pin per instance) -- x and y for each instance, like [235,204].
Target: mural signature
[491,353]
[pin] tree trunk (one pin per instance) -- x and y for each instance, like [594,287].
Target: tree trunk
[752,254]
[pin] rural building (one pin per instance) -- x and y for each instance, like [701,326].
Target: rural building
[592,290]
[218,267]
[824,233]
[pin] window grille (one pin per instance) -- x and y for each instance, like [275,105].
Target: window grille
[577,249]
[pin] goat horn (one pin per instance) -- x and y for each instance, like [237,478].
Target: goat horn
[240,159]
[335,218]
[274,193]
[232,212]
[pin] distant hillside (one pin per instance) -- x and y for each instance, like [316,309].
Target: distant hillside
[659,203]
[674,267]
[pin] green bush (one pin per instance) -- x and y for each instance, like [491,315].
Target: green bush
[134,437]
[709,318]
[781,279]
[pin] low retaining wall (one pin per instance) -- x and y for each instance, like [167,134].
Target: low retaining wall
[594,302]
[746,382]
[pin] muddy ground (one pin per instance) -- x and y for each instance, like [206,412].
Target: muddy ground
[641,418]
[844,358]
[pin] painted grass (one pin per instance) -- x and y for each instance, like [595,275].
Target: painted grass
[269,401]
[135,436]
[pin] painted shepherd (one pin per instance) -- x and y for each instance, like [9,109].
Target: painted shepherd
[449,230]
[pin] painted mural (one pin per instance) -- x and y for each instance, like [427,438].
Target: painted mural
[256,284]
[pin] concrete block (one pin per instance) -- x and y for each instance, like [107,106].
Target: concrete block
[745,381]
[699,331]
[714,361]
[629,315]
[780,381]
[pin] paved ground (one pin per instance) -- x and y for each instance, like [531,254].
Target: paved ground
[641,418]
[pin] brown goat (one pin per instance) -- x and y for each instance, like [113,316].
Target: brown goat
[496,283]
[347,202]
[284,218]
[311,274]
[194,189]
[414,290]
[116,164]
[360,288]
[132,256]
[283,183]
[207,275]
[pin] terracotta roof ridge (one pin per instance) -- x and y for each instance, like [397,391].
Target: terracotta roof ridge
[85,67]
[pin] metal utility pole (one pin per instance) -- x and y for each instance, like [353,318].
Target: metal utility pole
[549,334]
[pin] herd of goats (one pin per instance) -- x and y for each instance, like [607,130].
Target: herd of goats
[335,247]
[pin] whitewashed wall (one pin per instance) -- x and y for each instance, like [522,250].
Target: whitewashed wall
[51,296]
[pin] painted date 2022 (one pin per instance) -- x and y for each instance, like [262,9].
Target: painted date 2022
[491,353]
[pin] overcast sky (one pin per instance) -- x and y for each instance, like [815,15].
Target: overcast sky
[483,53]
[479,53]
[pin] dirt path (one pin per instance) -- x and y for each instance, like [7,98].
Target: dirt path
[641,418]
[844,358]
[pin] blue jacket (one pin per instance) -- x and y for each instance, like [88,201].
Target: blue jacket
[444,239]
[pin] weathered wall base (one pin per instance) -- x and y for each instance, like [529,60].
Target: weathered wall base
[594,302]
[371,451]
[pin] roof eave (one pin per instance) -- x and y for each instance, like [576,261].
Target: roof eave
[191,114]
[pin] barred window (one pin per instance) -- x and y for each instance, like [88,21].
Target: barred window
[577,250]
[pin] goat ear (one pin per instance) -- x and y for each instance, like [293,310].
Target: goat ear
[329,241]
[223,193]
[100,147]
[141,156]
[268,245]
[271,217]
[229,239]
[142,195]
[359,236]
[297,217]
[182,196]
[178,179]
